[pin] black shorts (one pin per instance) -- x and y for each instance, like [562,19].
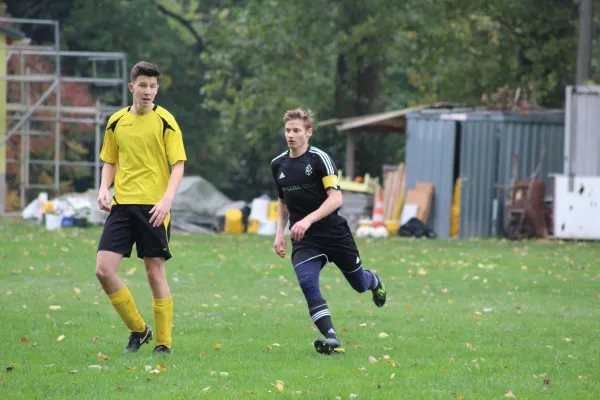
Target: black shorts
[128,224]
[335,245]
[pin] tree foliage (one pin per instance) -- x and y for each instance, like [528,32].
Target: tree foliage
[232,68]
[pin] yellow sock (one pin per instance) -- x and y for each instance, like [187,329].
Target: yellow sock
[123,302]
[162,309]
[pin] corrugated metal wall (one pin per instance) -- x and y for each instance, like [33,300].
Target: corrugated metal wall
[582,139]
[478,166]
[487,142]
[527,135]
[430,158]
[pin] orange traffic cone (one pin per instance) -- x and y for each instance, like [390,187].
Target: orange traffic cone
[378,218]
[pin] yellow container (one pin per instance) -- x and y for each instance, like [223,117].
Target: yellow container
[253,225]
[392,227]
[234,221]
[272,215]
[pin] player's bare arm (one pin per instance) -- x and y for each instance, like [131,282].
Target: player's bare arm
[283,214]
[163,207]
[333,202]
[108,176]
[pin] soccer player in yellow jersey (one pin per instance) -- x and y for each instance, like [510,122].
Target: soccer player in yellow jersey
[144,156]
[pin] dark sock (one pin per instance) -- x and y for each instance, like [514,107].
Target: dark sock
[375,281]
[319,312]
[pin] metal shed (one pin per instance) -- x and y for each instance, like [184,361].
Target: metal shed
[478,147]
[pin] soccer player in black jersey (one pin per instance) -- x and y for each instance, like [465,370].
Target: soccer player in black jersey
[309,195]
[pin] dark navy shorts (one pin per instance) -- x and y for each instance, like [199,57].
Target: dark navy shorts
[335,245]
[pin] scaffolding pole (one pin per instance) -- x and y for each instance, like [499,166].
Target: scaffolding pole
[22,114]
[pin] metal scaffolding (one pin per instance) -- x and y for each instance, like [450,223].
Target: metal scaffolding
[21,114]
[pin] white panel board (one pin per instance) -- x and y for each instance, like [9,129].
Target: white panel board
[577,207]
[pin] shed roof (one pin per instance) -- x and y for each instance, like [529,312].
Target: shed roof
[390,121]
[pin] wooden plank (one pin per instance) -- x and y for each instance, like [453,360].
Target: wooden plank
[427,189]
[399,201]
[387,192]
[420,199]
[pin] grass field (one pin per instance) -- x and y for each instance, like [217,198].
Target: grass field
[464,320]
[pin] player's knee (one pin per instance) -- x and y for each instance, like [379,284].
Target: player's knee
[154,276]
[155,270]
[309,287]
[104,271]
[107,264]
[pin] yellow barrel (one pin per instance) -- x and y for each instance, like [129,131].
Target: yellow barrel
[392,226]
[272,215]
[234,221]
[253,225]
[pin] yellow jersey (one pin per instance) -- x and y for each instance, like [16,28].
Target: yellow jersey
[144,147]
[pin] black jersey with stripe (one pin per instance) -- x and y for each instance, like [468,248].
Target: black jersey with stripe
[302,183]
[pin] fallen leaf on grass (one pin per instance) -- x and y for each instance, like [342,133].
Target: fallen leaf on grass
[130,271]
[372,359]
[392,376]
[161,367]
[76,291]
[470,346]
[74,371]
[95,366]
[510,394]
[130,369]
[217,346]
[95,339]
[155,371]
[224,374]
[392,363]
[55,307]
[279,386]
[547,381]
[24,340]
[383,335]
[206,389]
[60,338]
[353,396]
[102,357]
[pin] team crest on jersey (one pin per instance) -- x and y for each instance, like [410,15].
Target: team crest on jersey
[308,170]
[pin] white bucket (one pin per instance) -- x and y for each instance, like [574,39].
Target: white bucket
[259,209]
[53,221]
[267,228]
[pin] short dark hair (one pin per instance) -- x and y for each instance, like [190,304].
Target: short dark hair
[144,68]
